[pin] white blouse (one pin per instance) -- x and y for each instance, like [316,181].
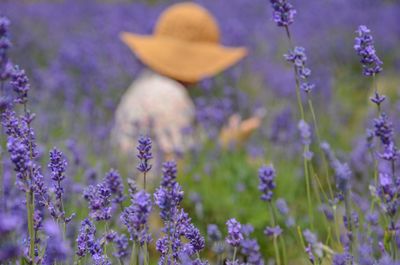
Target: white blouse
[154,105]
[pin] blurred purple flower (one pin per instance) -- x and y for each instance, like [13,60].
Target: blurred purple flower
[135,217]
[266,175]
[283,13]
[98,197]
[235,235]
[364,46]
[144,155]
[114,182]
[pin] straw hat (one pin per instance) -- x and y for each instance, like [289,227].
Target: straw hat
[185,45]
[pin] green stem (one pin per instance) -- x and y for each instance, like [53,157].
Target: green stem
[273,223]
[234,254]
[325,163]
[308,189]
[144,181]
[283,246]
[349,219]
[301,109]
[30,209]
[134,255]
[145,254]
[375,89]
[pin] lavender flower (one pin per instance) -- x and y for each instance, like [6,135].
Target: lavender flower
[136,216]
[387,191]
[377,99]
[310,254]
[235,235]
[57,166]
[144,155]
[364,46]
[305,132]
[383,129]
[57,249]
[343,172]
[98,197]
[121,245]
[213,232]
[5,44]
[339,259]
[390,153]
[20,84]
[298,58]
[114,182]
[19,156]
[283,13]
[266,174]
[251,249]
[169,195]
[86,238]
[273,231]
[195,238]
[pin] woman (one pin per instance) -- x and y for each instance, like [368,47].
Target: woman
[183,50]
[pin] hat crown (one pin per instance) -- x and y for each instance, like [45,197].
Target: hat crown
[188,22]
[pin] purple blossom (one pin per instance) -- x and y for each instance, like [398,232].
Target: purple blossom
[282,206]
[283,12]
[343,172]
[144,155]
[377,99]
[169,195]
[305,132]
[310,254]
[121,246]
[20,84]
[273,231]
[383,129]
[266,175]
[364,46]
[86,239]
[5,44]
[135,217]
[390,153]
[298,58]
[339,259]
[235,235]
[98,197]
[57,249]
[57,166]
[387,191]
[195,238]
[250,247]
[213,232]
[114,182]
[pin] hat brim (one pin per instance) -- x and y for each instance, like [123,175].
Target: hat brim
[182,60]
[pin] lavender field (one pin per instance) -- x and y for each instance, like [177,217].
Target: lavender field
[317,182]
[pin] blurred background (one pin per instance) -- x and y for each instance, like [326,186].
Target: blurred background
[79,69]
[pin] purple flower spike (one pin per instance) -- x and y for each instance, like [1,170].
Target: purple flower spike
[86,238]
[283,13]
[57,165]
[383,129]
[144,149]
[98,197]
[57,249]
[235,235]
[136,216]
[20,84]
[266,174]
[364,46]
[273,231]
[114,182]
